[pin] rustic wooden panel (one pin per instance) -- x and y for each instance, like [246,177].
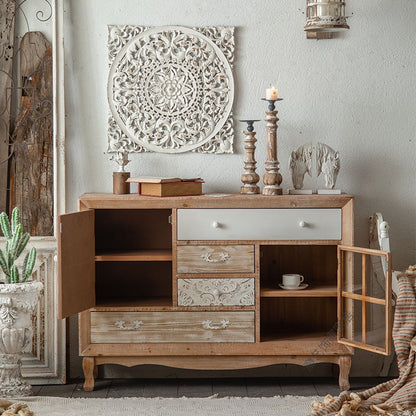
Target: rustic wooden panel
[31,165]
[134,327]
[7,20]
[215,259]
[76,272]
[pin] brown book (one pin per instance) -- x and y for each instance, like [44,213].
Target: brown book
[171,188]
[159,179]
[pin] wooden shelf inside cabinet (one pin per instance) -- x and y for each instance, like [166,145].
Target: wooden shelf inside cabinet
[146,304]
[310,292]
[306,338]
[134,255]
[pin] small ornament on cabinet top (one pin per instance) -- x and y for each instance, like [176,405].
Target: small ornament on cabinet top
[308,158]
[120,184]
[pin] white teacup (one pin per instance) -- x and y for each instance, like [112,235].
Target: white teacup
[292,280]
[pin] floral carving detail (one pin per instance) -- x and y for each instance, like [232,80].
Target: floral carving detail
[8,314]
[216,292]
[128,327]
[170,89]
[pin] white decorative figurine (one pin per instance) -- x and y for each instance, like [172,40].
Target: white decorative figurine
[300,162]
[122,159]
[326,161]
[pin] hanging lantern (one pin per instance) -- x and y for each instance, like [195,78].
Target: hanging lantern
[324,17]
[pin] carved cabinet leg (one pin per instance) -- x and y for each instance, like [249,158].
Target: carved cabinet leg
[89,367]
[344,372]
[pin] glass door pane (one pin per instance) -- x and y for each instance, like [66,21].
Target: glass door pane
[364,299]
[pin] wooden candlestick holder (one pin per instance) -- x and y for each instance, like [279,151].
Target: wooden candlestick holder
[120,186]
[250,177]
[272,178]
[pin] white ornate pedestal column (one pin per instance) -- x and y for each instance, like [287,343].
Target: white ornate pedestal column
[17,305]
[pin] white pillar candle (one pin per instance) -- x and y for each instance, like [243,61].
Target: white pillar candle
[271,93]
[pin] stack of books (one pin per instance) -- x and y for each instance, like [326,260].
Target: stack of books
[158,186]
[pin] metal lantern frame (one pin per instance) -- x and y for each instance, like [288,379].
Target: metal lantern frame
[325,16]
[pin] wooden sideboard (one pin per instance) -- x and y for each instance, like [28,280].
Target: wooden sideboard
[193,282]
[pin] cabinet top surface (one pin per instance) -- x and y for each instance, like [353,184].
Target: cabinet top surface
[217,200]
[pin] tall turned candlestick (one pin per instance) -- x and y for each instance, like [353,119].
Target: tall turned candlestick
[272,178]
[250,177]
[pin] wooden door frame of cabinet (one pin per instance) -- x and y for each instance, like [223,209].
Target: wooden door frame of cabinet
[364,298]
[76,272]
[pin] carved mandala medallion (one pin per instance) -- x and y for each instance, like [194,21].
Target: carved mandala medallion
[170,89]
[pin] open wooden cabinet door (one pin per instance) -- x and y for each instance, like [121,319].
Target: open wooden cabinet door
[365,305]
[76,266]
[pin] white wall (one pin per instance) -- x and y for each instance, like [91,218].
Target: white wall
[356,93]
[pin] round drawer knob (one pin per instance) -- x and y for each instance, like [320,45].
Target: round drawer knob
[302,224]
[216,224]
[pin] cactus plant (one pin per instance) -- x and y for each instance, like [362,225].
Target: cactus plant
[16,242]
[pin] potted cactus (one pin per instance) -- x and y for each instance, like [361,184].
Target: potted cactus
[18,299]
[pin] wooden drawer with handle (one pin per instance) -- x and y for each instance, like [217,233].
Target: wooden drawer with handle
[215,259]
[260,224]
[140,327]
[216,292]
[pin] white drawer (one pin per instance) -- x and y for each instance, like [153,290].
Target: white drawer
[259,224]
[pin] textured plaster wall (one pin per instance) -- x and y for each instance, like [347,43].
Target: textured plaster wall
[356,93]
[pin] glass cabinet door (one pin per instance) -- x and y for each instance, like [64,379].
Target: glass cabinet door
[365,299]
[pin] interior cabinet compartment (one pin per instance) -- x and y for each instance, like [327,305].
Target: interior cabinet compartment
[118,230]
[303,317]
[316,263]
[133,283]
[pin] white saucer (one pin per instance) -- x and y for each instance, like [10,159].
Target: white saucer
[300,287]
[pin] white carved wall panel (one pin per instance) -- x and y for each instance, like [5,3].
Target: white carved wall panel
[216,292]
[170,89]
[45,360]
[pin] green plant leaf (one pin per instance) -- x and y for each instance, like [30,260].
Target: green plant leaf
[5,225]
[17,236]
[29,264]
[23,244]
[3,263]
[15,221]
[14,274]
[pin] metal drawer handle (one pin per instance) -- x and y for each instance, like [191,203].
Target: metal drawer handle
[209,325]
[302,224]
[128,327]
[224,256]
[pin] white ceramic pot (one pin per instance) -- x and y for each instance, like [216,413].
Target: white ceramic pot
[17,304]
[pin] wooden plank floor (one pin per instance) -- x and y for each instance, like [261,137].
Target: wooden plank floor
[240,387]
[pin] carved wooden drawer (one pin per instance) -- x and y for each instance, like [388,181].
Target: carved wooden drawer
[260,224]
[215,259]
[216,292]
[138,327]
